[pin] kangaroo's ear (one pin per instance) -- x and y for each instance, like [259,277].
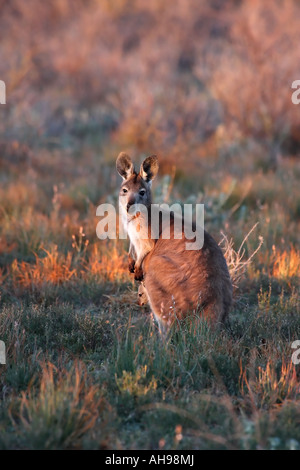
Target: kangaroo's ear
[149,168]
[124,165]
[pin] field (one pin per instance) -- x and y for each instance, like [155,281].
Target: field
[207,87]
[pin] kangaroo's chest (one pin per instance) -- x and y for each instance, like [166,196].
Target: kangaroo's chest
[138,235]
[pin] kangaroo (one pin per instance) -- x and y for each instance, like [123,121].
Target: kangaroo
[177,281]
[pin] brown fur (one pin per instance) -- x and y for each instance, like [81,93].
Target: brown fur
[180,282]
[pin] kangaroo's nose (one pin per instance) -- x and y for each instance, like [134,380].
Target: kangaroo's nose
[130,203]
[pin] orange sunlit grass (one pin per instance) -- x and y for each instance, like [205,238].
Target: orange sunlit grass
[109,266]
[56,268]
[286,264]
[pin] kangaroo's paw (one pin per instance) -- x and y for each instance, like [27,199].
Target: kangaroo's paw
[131,265]
[138,274]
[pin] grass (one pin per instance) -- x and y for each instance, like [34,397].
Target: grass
[100,377]
[86,367]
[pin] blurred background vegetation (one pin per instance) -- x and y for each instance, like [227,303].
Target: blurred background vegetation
[206,85]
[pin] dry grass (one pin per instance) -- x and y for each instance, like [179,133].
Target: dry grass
[286,264]
[65,408]
[270,388]
[55,268]
[237,262]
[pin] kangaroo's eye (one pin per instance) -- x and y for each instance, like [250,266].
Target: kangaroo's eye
[142,192]
[125,190]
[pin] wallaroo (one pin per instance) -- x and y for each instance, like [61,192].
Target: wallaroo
[178,281]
